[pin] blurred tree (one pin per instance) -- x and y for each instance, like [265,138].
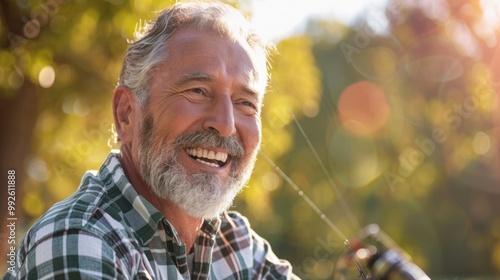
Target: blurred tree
[408,127]
[444,70]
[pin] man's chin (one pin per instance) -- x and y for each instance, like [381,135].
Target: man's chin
[209,211]
[204,201]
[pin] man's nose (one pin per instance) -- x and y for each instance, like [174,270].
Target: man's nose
[220,116]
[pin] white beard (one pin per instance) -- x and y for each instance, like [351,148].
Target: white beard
[201,194]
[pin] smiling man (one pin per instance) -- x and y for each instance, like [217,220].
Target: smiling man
[187,114]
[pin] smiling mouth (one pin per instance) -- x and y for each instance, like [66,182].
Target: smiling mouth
[208,157]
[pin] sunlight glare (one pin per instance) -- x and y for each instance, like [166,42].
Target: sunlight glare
[46,76]
[363,108]
[277,19]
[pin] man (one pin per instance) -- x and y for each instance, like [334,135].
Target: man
[187,114]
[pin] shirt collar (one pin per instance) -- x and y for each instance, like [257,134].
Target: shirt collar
[209,228]
[142,216]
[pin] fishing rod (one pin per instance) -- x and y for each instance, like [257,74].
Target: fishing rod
[373,253]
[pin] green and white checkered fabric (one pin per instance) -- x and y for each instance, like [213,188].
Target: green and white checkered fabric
[107,231]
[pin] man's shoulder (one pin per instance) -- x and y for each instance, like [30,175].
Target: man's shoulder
[89,208]
[91,224]
[235,226]
[235,221]
[253,250]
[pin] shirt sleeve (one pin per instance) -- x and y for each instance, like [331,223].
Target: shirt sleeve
[72,254]
[266,264]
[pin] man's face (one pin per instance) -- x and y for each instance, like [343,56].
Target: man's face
[200,130]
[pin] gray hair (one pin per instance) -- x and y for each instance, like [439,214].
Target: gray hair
[150,47]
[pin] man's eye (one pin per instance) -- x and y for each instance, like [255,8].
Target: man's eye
[249,104]
[197,90]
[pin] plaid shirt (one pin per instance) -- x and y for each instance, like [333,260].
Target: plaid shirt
[107,231]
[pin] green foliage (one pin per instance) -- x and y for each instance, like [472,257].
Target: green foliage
[408,130]
[294,90]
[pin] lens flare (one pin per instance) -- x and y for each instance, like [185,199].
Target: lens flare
[46,76]
[363,108]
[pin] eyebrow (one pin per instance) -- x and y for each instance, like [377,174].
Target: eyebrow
[202,76]
[195,76]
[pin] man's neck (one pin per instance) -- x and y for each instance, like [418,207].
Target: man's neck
[186,226]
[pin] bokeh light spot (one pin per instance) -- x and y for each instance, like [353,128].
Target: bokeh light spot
[481,143]
[46,76]
[310,108]
[363,108]
[80,108]
[68,102]
[37,169]
[270,181]
[33,205]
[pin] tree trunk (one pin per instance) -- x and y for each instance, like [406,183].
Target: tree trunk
[18,116]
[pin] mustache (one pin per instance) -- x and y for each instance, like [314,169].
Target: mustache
[210,139]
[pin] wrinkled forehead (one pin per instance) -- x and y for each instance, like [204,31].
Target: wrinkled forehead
[250,60]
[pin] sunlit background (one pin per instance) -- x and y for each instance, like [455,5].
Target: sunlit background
[380,112]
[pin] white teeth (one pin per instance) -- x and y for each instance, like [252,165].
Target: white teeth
[211,155]
[222,156]
[207,163]
[218,156]
[208,154]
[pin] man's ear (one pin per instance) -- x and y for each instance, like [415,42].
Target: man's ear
[125,111]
